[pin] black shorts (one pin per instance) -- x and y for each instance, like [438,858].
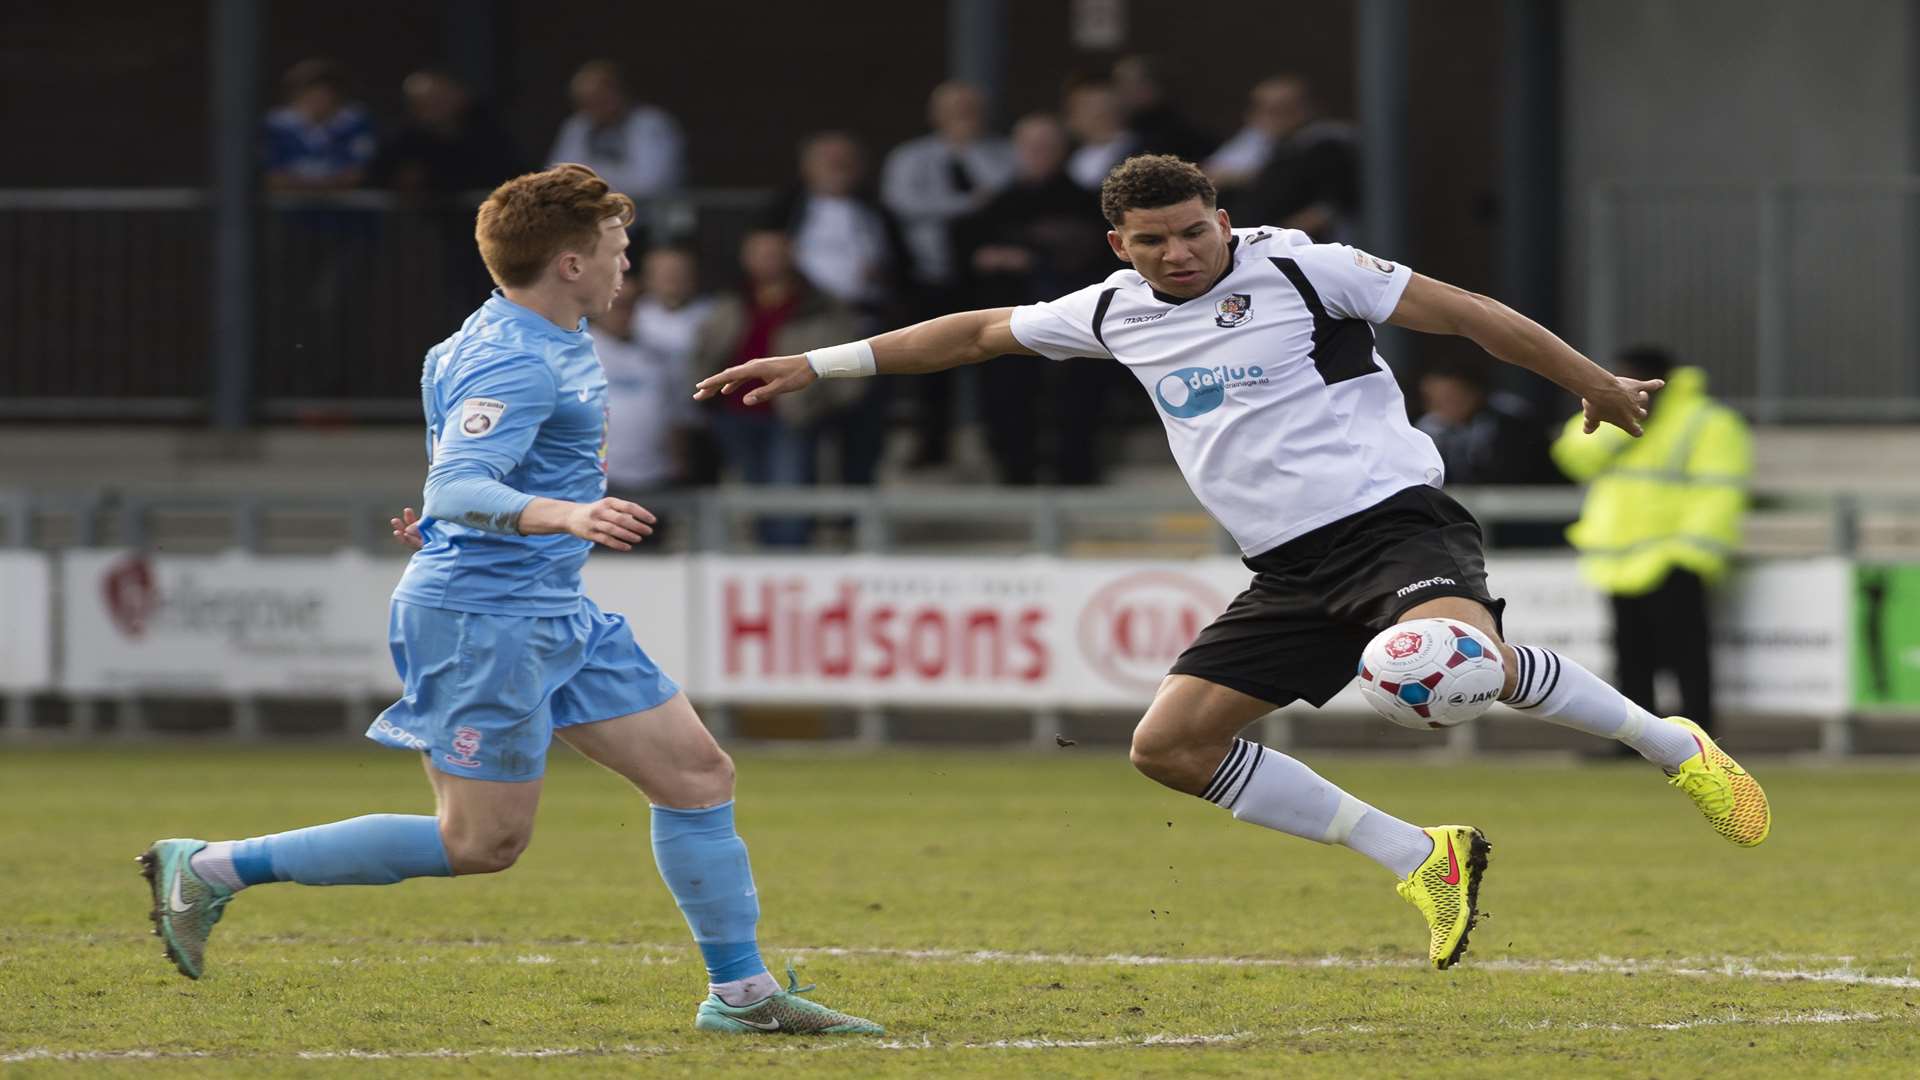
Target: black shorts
[1316,600]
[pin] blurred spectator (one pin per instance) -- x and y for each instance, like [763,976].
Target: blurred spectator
[448,145]
[1098,124]
[1273,109]
[843,240]
[928,182]
[1661,521]
[1483,438]
[318,141]
[775,312]
[1139,82]
[1038,239]
[646,346]
[638,149]
[1311,178]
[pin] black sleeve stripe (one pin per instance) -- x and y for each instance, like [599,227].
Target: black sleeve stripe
[1253,766]
[1524,676]
[1549,679]
[1223,776]
[1553,678]
[1100,315]
[1342,348]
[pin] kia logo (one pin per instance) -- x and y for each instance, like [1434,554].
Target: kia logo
[1133,628]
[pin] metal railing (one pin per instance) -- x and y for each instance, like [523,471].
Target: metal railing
[105,312]
[1796,297]
[980,521]
[1125,522]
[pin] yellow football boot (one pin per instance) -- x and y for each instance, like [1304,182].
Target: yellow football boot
[1730,799]
[1446,889]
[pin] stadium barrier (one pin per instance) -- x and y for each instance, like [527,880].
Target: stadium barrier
[105,311]
[1038,634]
[350,288]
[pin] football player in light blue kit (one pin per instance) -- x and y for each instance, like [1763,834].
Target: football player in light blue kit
[498,650]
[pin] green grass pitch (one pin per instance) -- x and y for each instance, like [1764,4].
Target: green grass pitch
[1005,914]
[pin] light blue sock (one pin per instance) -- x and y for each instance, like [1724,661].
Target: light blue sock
[704,863]
[378,849]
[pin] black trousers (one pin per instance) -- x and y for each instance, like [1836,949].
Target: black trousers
[1666,630]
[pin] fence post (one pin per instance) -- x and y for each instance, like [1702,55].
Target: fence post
[234,36]
[1770,335]
[1602,273]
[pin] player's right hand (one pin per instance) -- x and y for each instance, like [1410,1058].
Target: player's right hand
[778,374]
[1623,403]
[406,529]
[611,522]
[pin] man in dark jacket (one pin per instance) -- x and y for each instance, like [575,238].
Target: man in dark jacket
[1031,242]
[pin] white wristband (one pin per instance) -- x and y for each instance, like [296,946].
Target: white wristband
[851,361]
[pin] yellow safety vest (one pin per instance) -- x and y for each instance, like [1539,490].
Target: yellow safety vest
[1672,498]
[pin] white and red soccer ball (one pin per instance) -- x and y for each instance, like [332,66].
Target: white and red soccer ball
[1431,673]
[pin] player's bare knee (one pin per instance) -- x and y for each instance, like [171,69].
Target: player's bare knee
[486,852]
[1165,760]
[714,776]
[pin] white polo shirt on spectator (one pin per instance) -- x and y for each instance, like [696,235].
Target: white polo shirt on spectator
[1280,413]
[641,156]
[647,396]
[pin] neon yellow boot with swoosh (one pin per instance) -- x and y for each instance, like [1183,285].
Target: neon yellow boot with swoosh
[1729,798]
[1446,889]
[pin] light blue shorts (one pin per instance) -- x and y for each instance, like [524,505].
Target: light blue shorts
[485,693]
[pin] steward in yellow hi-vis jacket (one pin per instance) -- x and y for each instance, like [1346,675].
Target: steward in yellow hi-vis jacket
[1661,521]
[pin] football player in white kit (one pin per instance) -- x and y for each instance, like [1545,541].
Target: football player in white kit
[1257,346]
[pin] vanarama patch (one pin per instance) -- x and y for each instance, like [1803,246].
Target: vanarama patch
[479,416]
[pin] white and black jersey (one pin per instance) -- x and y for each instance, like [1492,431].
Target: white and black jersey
[1278,410]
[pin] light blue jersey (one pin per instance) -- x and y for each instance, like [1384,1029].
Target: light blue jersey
[516,408]
[495,646]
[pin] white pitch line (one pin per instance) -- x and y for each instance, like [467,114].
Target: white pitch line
[630,1049]
[1719,967]
[1688,967]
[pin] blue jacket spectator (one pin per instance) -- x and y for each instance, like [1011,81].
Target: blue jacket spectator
[318,141]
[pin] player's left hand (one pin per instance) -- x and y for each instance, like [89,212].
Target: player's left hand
[1624,404]
[406,529]
[779,374]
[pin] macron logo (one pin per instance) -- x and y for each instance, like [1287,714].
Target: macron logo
[1426,584]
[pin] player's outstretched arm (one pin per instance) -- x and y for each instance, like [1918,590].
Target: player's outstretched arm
[966,337]
[1434,307]
[610,522]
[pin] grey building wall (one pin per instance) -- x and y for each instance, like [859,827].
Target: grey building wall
[1739,91]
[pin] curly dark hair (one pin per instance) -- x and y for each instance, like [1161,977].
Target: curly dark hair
[1150,181]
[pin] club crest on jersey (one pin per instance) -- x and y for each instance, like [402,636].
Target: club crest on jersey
[1233,310]
[466,743]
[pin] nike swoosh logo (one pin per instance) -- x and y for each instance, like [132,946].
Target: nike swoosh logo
[584,394]
[773,1025]
[174,902]
[1453,865]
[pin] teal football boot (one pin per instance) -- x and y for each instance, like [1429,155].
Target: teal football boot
[786,1012]
[185,905]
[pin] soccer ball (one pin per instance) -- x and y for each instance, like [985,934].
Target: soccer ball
[1430,673]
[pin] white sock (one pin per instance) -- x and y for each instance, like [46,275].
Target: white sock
[1559,691]
[743,992]
[1266,787]
[215,863]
